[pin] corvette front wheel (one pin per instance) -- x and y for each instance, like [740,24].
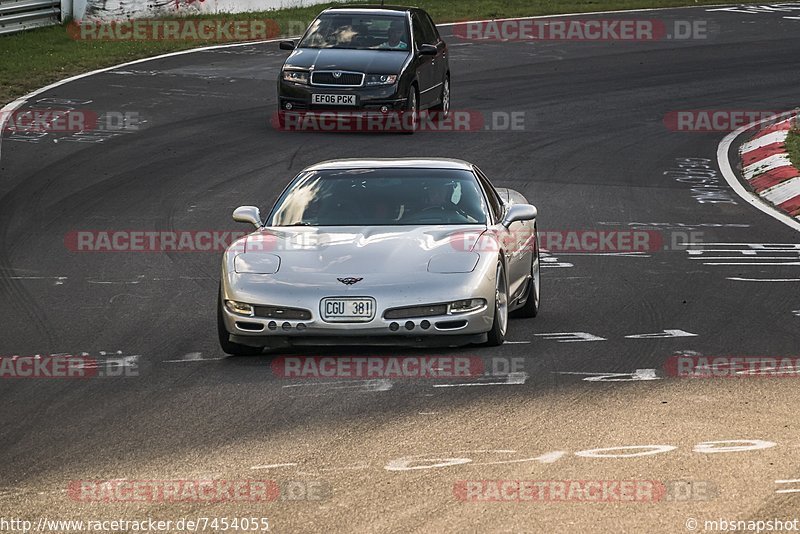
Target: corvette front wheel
[226,344]
[497,335]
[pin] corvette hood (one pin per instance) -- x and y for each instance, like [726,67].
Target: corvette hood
[353,251]
[369,61]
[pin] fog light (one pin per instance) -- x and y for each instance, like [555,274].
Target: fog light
[286,326]
[239,308]
[288,106]
[465,306]
[394,327]
[409,325]
[425,325]
[384,109]
[272,325]
[301,326]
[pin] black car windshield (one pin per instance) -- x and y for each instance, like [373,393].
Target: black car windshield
[381,197]
[358,31]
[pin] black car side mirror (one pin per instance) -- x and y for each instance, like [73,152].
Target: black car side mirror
[286,45]
[428,50]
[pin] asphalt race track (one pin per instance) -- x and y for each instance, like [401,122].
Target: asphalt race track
[388,456]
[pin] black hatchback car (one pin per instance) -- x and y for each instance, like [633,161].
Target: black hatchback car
[367,58]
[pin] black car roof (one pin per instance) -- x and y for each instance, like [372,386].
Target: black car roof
[369,7]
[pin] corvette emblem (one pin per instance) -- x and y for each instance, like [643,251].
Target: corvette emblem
[349,281]
[337,74]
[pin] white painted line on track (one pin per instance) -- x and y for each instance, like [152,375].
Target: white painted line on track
[570,337]
[512,379]
[636,376]
[194,357]
[663,334]
[273,466]
[738,279]
[788,481]
[723,151]
[755,264]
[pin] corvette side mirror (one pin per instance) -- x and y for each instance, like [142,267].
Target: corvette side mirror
[248,214]
[520,212]
[286,45]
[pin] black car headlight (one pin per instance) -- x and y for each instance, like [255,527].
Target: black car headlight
[380,79]
[296,76]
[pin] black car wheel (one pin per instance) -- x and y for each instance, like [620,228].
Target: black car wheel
[443,108]
[411,112]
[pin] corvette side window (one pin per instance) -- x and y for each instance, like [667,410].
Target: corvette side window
[495,205]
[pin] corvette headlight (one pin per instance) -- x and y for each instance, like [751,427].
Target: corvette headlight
[380,79]
[239,308]
[296,76]
[453,262]
[466,306]
[256,263]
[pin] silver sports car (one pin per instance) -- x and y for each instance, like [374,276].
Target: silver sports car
[381,252]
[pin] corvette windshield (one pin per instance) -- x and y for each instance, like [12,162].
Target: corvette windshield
[361,32]
[380,197]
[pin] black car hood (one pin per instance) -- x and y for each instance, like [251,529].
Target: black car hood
[369,61]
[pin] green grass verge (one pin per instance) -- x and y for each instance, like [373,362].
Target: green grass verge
[38,57]
[793,146]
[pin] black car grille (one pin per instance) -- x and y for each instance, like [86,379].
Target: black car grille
[351,79]
[280,312]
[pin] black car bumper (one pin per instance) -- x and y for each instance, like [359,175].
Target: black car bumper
[367,98]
